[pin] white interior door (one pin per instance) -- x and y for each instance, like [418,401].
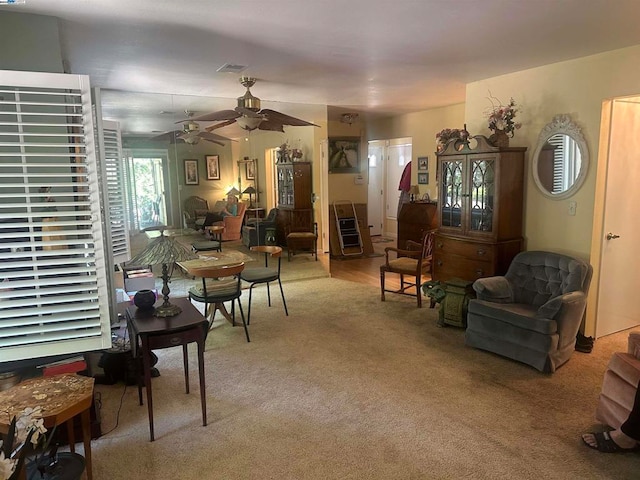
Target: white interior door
[375,204]
[618,307]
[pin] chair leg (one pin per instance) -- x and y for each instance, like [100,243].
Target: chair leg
[249,314]
[185,360]
[286,312]
[382,286]
[244,324]
[418,292]
[268,295]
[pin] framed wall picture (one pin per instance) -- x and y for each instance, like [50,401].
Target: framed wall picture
[423,164]
[344,155]
[423,178]
[250,170]
[191,172]
[213,167]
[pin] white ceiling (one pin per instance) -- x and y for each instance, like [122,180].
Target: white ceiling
[377,57]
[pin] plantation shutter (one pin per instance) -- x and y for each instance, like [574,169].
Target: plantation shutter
[53,280]
[116,188]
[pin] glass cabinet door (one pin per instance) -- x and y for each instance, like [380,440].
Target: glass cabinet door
[481,194]
[451,192]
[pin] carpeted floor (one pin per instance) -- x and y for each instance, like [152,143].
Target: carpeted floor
[347,386]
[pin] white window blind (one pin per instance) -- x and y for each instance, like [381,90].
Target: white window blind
[115,167]
[53,280]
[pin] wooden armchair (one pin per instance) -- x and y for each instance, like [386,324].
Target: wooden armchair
[413,261]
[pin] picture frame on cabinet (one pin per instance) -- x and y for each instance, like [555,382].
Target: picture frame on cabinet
[423,178]
[213,167]
[191,172]
[344,155]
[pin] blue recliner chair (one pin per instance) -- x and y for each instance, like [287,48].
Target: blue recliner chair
[532,314]
[255,229]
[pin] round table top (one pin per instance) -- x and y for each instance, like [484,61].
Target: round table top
[60,397]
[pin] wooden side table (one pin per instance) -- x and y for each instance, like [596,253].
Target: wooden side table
[61,398]
[148,332]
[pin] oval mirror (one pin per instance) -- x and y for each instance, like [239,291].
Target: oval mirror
[561,158]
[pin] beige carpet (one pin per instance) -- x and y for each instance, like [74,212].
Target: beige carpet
[349,387]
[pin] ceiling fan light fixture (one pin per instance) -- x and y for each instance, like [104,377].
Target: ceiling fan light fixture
[349,118]
[192,139]
[248,123]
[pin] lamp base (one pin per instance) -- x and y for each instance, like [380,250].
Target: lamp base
[167,310]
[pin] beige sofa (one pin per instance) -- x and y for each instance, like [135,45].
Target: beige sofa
[619,384]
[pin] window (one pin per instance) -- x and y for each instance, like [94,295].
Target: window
[54,297]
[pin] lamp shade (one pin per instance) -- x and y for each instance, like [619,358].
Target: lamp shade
[166,251]
[249,190]
[234,191]
[414,190]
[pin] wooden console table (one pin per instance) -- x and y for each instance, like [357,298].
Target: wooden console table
[148,333]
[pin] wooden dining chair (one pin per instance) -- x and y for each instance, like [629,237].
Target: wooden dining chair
[266,274]
[413,261]
[219,284]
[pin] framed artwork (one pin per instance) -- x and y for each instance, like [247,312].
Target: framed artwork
[344,155]
[213,167]
[423,163]
[191,172]
[423,178]
[250,170]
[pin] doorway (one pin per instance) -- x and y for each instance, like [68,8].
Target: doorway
[375,192]
[146,202]
[619,281]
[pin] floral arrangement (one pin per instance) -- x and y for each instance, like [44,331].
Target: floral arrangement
[501,117]
[27,428]
[444,135]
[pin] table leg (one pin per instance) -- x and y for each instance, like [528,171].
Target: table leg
[86,437]
[185,360]
[71,435]
[146,367]
[203,399]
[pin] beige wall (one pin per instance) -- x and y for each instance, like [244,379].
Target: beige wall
[577,87]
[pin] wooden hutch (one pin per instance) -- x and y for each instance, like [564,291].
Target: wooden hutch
[480,209]
[416,219]
[295,206]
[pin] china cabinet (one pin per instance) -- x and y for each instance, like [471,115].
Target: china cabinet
[295,207]
[480,209]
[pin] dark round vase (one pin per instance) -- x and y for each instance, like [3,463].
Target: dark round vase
[67,466]
[144,299]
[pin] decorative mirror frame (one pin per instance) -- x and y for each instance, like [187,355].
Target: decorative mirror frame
[562,124]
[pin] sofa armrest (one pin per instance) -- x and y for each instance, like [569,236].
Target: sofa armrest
[634,344]
[493,289]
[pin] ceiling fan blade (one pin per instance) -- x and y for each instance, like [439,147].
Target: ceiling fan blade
[167,136]
[215,136]
[271,126]
[284,119]
[214,116]
[219,125]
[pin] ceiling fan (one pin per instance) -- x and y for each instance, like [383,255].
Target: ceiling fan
[191,134]
[249,116]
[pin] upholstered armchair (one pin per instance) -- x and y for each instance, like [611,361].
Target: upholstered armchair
[233,224]
[619,384]
[255,229]
[531,314]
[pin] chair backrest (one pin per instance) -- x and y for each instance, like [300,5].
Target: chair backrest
[272,251]
[193,203]
[536,276]
[272,215]
[217,271]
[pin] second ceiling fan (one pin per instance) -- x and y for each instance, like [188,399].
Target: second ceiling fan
[249,116]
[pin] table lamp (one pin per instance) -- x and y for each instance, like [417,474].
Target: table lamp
[234,191]
[166,251]
[250,191]
[414,191]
